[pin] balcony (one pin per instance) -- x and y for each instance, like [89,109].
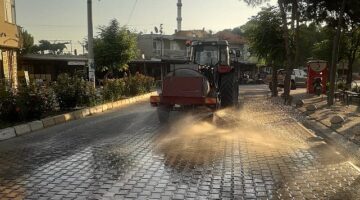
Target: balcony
[171,54]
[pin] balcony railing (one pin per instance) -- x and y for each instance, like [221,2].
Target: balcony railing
[170,54]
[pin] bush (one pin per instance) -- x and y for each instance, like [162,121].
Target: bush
[113,89]
[138,84]
[73,91]
[27,103]
[7,104]
[33,101]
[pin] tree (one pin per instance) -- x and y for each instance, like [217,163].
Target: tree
[352,47]
[265,36]
[114,48]
[27,41]
[336,14]
[289,9]
[309,35]
[46,46]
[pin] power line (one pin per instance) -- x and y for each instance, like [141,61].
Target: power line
[132,12]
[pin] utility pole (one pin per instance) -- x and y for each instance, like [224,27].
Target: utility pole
[90,44]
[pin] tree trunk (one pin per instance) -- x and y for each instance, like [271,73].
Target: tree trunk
[274,86]
[289,63]
[297,34]
[335,51]
[349,73]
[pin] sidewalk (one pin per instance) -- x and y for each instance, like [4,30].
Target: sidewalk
[345,139]
[351,127]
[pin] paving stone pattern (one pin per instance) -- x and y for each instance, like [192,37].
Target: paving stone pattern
[259,153]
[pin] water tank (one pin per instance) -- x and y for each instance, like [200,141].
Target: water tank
[178,82]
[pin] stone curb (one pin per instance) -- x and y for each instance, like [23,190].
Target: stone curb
[334,138]
[7,133]
[22,129]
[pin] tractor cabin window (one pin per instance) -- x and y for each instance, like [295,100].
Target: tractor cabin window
[224,59]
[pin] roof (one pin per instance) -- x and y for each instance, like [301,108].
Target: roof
[193,33]
[231,37]
[53,57]
[211,42]
[160,61]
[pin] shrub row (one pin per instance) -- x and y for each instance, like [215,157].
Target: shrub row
[115,89]
[73,91]
[31,102]
[28,102]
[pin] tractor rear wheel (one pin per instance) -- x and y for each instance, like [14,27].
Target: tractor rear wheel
[229,90]
[163,113]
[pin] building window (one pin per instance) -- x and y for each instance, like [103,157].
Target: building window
[10,11]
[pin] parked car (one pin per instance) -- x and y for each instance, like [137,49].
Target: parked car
[298,78]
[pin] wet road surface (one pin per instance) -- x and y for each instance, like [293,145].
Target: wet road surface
[259,152]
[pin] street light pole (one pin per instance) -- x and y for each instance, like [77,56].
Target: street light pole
[90,43]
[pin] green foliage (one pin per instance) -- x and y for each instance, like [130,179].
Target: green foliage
[138,84]
[128,86]
[114,47]
[255,2]
[27,41]
[33,101]
[27,103]
[73,91]
[47,46]
[323,44]
[113,89]
[7,103]
[265,35]
[327,11]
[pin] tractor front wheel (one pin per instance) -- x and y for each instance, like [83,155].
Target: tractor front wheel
[229,90]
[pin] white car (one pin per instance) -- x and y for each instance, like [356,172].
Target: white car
[298,78]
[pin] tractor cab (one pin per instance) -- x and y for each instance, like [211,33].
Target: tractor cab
[211,54]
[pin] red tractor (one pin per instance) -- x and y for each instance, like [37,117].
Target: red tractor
[207,80]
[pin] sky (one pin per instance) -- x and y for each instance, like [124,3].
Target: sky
[67,19]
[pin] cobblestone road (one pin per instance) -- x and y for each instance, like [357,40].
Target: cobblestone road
[259,153]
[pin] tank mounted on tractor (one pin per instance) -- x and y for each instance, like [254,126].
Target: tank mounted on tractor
[207,80]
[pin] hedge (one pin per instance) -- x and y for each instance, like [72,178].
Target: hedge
[33,101]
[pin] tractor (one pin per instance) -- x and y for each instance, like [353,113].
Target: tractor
[206,80]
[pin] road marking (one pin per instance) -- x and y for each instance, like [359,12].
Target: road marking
[306,129]
[313,134]
[356,167]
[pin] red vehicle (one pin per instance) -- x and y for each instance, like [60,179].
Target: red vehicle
[207,80]
[317,77]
